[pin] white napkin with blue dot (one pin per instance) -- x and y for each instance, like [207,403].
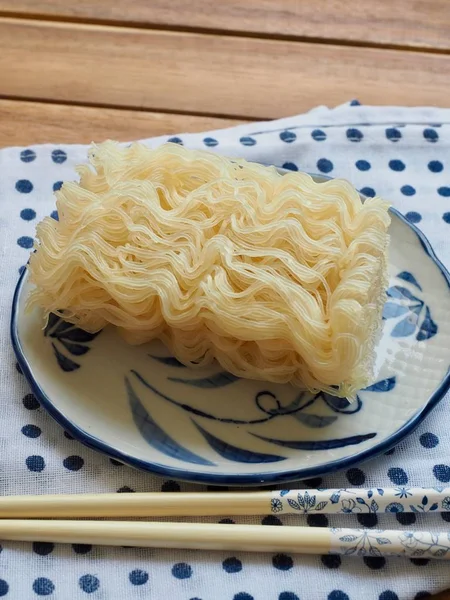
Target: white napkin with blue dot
[402,154]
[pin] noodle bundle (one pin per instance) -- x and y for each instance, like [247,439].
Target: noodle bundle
[276,277]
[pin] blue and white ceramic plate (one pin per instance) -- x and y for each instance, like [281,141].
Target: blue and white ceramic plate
[140,406]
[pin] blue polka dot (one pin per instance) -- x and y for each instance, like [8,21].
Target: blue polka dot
[68,436]
[420,562]
[317,520]
[355,476]
[31,431]
[116,463]
[4,587]
[446,516]
[271,520]
[324,165]
[338,595]
[446,217]
[210,142]
[393,134]
[362,165]
[397,476]
[27,156]
[170,486]
[429,440]
[247,141]
[407,190]
[290,166]
[282,562]
[175,140]
[30,402]
[368,191]
[243,596]
[355,103]
[444,191]
[435,166]
[22,269]
[18,369]
[354,135]
[138,577]
[374,562]
[232,565]
[331,561]
[442,473]
[288,137]
[89,583]
[73,463]
[406,519]
[24,186]
[413,217]
[28,214]
[182,571]
[81,548]
[397,165]
[54,215]
[368,520]
[35,463]
[25,241]
[59,156]
[388,595]
[318,135]
[226,522]
[421,595]
[125,490]
[313,482]
[43,548]
[43,586]
[430,135]
[57,185]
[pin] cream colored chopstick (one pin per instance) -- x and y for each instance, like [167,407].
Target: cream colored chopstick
[183,504]
[205,536]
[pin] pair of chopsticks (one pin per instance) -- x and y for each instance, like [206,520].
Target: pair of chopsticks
[16,512]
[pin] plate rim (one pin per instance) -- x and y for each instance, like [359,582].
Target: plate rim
[187,475]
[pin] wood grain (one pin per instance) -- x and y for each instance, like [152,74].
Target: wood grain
[207,74]
[27,123]
[421,23]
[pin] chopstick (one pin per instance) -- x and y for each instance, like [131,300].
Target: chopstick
[192,504]
[205,536]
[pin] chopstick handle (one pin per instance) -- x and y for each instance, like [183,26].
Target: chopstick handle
[192,504]
[205,536]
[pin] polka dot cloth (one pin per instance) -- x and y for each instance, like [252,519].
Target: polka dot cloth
[399,154]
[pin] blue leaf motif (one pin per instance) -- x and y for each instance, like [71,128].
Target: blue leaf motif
[380,490]
[382,541]
[428,329]
[155,435]
[314,421]
[424,500]
[369,494]
[374,506]
[402,293]
[213,381]
[360,500]
[434,506]
[409,277]
[231,452]
[66,364]
[385,385]
[75,349]
[284,492]
[77,335]
[313,445]
[406,326]
[413,508]
[321,505]
[293,504]
[348,538]
[170,361]
[391,310]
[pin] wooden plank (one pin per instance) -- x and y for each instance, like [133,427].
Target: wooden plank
[27,123]
[207,74]
[402,23]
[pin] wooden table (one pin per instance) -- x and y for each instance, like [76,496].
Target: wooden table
[95,69]
[72,72]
